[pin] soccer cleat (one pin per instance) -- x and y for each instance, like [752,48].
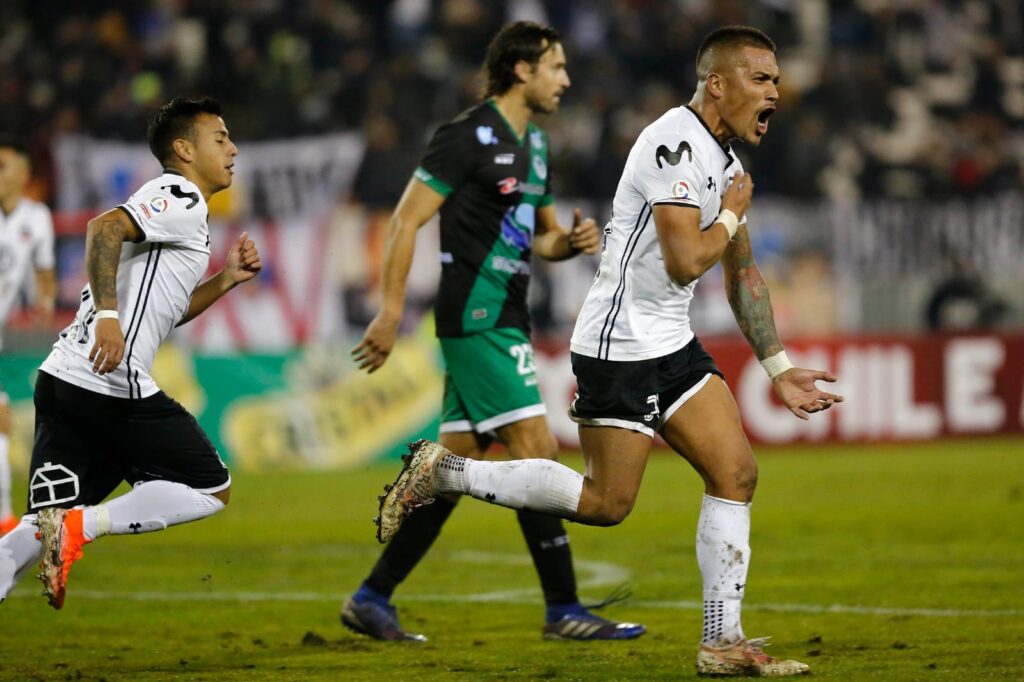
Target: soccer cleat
[745,658]
[7,524]
[372,619]
[586,626]
[413,488]
[60,531]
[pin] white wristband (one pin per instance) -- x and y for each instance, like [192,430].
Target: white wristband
[729,219]
[776,364]
[106,314]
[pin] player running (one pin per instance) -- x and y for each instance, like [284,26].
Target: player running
[487,172]
[100,417]
[26,243]
[679,208]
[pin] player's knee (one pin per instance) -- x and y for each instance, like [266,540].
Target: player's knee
[613,510]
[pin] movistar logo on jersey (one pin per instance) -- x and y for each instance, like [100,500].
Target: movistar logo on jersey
[673,158]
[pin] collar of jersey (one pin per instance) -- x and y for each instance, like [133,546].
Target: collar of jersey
[519,140]
[724,147]
[171,171]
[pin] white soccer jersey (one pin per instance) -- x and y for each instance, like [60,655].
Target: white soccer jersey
[155,282]
[634,311]
[26,243]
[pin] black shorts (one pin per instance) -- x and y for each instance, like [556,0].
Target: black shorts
[86,443]
[639,395]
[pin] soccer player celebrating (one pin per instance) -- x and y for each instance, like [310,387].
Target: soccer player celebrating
[100,417]
[679,208]
[487,173]
[26,242]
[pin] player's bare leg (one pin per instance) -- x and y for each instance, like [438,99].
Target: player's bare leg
[707,431]
[615,463]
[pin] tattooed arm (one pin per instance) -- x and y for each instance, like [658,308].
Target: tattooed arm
[748,296]
[103,239]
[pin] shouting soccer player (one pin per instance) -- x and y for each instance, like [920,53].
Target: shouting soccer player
[487,172]
[679,209]
[100,417]
[26,243]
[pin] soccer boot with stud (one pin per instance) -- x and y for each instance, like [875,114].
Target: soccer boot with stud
[413,488]
[60,531]
[374,620]
[745,659]
[587,626]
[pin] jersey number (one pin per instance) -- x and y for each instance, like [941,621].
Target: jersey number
[523,353]
[177,192]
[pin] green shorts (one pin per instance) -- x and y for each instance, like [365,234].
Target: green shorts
[489,381]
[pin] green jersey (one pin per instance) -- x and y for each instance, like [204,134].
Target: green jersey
[493,183]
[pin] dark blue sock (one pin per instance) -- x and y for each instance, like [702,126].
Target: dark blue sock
[556,612]
[365,593]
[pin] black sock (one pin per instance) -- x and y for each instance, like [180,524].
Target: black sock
[549,544]
[410,543]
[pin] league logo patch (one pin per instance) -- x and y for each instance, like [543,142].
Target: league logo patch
[52,484]
[159,204]
[485,134]
[540,168]
[680,190]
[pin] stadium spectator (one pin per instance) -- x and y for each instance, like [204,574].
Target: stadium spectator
[26,244]
[100,421]
[487,173]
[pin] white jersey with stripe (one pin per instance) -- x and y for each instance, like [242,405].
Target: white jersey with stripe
[26,244]
[155,282]
[634,311]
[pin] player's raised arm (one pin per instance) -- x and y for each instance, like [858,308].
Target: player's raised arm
[751,304]
[103,239]
[418,204]
[554,242]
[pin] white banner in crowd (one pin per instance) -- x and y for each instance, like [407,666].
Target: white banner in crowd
[284,194]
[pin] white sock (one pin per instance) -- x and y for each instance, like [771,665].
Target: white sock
[723,554]
[149,506]
[5,478]
[536,484]
[19,550]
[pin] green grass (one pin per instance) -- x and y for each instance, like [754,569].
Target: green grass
[928,527]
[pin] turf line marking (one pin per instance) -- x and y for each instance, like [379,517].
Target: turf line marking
[593,575]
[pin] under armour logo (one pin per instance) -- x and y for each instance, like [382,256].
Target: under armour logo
[711,184]
[136,528]
[673,158]
[739,587]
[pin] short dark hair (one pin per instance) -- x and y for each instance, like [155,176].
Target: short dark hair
[729,37]
[520,41]
[15,143]
[176,120]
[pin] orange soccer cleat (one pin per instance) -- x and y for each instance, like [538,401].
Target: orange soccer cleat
[7,524]
[61,533]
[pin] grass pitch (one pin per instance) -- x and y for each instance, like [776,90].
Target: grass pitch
[884,563]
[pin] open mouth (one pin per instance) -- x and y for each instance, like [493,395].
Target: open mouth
[762,120]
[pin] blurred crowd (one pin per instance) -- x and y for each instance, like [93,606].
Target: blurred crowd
[895,98]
